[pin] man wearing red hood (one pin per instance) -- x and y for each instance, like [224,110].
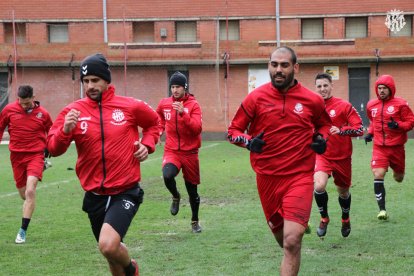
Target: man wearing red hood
[390,120]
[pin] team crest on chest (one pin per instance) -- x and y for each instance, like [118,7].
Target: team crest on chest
[390,109]
[118,117]
[298,108]
[39,115]
[332,113]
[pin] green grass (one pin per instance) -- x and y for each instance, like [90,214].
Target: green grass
[235,238]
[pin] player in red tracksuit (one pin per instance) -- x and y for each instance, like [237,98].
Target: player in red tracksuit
[336,161]
[180,117]
[390,119]
[28,124]
[280,123]
[104,127]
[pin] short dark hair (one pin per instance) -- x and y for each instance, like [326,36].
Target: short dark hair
[290,50]
[25,91]
[323,76]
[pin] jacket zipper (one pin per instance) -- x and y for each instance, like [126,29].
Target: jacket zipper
[382,124]
[103,145]
[176,129]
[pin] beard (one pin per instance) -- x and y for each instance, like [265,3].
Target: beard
[282,85]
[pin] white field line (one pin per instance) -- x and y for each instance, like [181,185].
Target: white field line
[41,185]
[46,185]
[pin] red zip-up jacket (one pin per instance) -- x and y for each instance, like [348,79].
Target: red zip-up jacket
[183,131]
[346,118]
[380,112]
[288,120]
[104,138]
[27,130]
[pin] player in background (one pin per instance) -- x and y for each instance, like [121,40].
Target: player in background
[104,127]
[390,119]
[283,124]
[180,117]
[28,124]
[336,162]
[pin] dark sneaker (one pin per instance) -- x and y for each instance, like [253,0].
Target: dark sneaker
[346,228]
[323,227]
[175,205]
[135,264]
[195,227]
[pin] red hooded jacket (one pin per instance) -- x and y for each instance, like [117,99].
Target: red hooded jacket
[183,131]
[104,138]
[380,112]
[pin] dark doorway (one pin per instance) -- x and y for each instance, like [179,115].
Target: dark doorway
[359,91]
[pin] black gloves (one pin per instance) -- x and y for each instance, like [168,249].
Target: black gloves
[318,144]
[393,124]
[47,153]
[368,138]
[256,143]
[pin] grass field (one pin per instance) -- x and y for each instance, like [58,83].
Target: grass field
[235,238]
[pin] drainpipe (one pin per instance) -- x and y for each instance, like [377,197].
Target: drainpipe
[105,25]
[277,24]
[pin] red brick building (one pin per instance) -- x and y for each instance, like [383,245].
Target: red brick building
[223,47]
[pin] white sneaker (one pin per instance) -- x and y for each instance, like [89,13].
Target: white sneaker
[21,236]
[47,164]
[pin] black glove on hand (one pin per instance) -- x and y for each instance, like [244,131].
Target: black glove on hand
[256,143]
[393,124]
[319,144]
[47,154]
[368,138]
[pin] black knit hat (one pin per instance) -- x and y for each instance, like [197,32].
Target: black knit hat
[95,65]
[178,78]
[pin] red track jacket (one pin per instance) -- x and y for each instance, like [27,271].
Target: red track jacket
[27,130]
[104,138]
[379,113]
[183,131]
[346,118]
[289,121]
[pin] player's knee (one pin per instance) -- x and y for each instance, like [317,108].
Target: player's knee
[30,193]
[169,171]
[292,243]
[108,248]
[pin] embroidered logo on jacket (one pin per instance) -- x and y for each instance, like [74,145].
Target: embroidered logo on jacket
[39,115]
[391,109]
[332,113]
[298,108]
[118,117]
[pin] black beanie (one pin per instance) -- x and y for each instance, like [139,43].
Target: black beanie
[95,65]
[178,78]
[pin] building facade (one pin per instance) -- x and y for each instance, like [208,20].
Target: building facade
[223,46]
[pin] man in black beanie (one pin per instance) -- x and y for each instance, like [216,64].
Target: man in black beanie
[180,117]
[104,127]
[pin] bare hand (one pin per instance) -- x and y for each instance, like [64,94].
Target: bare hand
[71,119]
[334,130]
[178,106]
[142,151]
